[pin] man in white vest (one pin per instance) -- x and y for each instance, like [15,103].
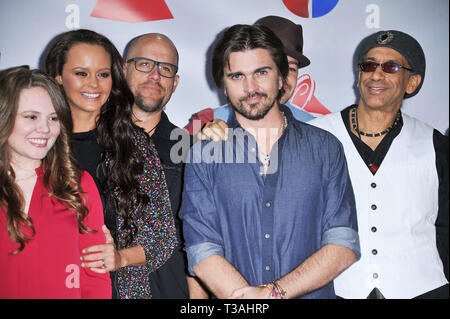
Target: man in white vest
[399,170]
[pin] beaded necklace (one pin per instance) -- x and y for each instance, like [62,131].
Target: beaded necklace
[355,124]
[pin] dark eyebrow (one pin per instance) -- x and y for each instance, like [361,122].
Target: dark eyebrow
[81,68]
[263,69]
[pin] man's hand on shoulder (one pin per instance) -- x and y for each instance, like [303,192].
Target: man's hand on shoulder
[216,130]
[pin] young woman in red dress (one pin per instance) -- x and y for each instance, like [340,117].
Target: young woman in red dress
[49,210]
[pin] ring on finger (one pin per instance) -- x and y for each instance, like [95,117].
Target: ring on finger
[103,263]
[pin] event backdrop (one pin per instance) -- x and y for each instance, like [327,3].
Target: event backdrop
[332,30]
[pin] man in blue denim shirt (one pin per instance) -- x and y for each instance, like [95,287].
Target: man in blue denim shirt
[269,213]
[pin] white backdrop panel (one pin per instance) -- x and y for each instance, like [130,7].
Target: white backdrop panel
[27,26]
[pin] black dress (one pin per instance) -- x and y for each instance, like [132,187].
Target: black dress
[87,153]
[155,224]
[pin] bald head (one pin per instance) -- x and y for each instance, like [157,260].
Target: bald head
[152,89]
[149,39]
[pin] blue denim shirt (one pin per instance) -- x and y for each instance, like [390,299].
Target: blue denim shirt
[267,225]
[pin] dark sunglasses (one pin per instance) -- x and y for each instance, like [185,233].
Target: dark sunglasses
[387,67]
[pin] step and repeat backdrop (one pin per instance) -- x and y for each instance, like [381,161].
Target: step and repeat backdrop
[332,30]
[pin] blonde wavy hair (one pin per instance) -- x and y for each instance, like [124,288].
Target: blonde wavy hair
[61,177]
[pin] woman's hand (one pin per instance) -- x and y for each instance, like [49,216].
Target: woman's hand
[102,258]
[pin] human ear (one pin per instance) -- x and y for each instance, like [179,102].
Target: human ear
[413,83]
[58,79]
[175,82]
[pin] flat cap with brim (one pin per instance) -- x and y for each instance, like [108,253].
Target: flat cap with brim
[290,34]
[401,42]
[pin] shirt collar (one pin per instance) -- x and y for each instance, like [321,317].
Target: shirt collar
[40,170]
[163,128]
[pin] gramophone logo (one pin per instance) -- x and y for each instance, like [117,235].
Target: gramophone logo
[310,8]
[303,97]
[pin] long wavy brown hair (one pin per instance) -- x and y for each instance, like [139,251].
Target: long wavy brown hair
[61,178]
[115,130]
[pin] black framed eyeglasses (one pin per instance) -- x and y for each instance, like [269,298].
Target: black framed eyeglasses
[387,67]
[146,65]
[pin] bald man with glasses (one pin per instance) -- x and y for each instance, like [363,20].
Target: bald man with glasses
[151,71]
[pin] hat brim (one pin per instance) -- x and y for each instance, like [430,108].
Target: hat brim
[302,60]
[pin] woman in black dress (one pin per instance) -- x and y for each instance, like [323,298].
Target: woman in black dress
[120,156]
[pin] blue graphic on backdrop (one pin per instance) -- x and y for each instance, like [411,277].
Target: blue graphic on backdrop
[310,8]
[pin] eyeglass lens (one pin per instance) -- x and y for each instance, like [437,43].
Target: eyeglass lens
[388,67]
[164,69]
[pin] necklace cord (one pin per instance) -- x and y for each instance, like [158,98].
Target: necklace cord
[355,124]
[282,128]
[154,127]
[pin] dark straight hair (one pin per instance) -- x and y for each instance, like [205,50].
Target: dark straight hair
[242,37]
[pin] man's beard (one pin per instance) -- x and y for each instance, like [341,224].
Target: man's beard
[247,113]
[155,107]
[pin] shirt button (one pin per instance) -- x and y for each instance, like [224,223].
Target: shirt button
[253,150]
[268,204]
[267,236]
[374,251]
[373,185]
[267,268]
[373,229]
[373,206]
[375,276]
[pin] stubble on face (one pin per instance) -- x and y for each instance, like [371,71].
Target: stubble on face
[153,107]
[252,83]
[151,90]
[253,111]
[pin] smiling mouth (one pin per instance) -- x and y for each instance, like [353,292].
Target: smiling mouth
[39,142]
[376,89]
[91,95]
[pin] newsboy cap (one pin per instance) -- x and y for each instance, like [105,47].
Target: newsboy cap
[290,34]
[401,42]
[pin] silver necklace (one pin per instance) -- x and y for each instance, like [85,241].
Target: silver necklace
[266,157]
